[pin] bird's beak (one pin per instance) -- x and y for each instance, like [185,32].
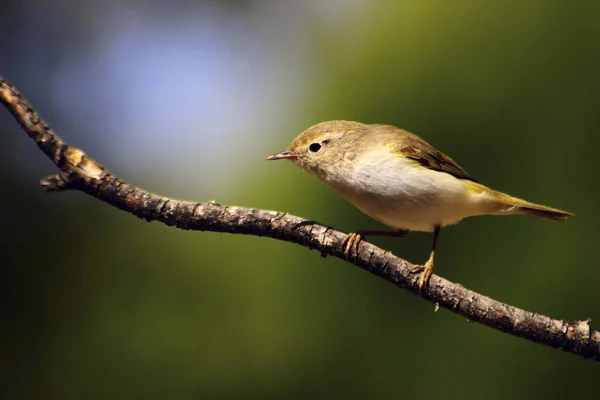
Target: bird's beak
[286,155]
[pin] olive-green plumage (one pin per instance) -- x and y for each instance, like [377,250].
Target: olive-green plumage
[399,179]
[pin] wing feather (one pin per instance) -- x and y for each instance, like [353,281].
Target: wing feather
[414,148]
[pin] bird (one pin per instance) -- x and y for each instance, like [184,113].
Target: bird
[400,180]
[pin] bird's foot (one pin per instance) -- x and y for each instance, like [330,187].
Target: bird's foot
[350,243]
[426,272]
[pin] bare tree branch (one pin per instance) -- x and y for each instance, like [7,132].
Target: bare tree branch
[79,172]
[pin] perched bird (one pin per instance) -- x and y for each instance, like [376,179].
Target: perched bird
[400,180]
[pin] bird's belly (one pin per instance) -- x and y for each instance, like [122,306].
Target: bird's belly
[407,214]
[410,198]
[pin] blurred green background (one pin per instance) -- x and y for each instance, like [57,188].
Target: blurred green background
[187,98]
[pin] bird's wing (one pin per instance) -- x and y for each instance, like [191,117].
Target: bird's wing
[416,149]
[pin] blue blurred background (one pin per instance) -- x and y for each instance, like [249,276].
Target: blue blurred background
[186,98]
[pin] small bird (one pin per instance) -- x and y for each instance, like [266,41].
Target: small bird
[399,179]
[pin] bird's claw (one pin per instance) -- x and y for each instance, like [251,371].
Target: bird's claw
[350,244]
[426,272]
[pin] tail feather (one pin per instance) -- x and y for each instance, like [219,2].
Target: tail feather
[498,203]
[511,205]
[551,214]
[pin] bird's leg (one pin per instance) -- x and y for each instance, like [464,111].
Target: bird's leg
[353,239]
[427,268]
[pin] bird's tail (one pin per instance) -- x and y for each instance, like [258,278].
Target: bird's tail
[503,204]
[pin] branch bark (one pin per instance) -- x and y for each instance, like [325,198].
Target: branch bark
[80,172]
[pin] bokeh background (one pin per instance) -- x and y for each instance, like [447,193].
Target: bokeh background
[187,98]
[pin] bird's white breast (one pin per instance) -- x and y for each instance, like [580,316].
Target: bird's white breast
[402,194]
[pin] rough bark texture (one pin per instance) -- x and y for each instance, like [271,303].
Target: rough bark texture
[79,172]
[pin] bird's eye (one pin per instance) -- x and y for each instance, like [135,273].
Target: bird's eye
[314,147]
